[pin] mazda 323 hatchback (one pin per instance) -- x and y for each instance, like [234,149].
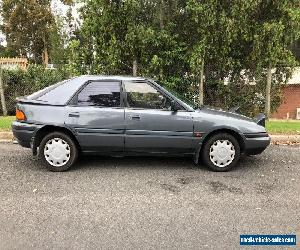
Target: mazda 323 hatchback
[114,115]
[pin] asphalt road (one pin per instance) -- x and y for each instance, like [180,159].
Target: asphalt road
[146,203]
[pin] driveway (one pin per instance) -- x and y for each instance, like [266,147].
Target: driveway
[146,203]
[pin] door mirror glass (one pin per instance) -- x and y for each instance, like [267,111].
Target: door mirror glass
[174,106]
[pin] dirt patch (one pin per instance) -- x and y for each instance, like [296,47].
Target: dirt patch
[169,187]
[218,187]
[265,188]
[185,180]
[6,136]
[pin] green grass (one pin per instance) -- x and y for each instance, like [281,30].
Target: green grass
[5,122]
[283,127]
[273,126]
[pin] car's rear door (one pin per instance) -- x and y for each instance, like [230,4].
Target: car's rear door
[97,116]
[151,125]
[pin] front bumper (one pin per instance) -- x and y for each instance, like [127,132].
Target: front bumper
[24,133]
[256,144]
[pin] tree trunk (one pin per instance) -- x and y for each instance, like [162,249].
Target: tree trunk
[201,84]
[162,26]
[268,93]
[134,67]
[45,53]
[161,74]
[161,15]
[46,57]
[2,97]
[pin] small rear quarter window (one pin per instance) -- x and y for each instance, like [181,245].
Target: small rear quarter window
[60,93]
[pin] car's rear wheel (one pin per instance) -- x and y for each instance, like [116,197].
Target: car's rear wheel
[58,151]
[221,152]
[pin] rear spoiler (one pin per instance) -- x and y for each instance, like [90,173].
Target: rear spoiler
[260,119]
[24,100]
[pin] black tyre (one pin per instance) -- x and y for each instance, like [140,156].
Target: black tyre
[58,152]
[221,152]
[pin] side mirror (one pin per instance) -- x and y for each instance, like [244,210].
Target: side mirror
[174,106]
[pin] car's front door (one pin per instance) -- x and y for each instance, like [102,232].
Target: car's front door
[151,125]
[97,116]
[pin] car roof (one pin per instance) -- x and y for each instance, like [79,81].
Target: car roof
[60,93]
[108,77]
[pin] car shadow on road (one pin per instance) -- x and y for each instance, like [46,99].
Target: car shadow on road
[110,162]
[157,162]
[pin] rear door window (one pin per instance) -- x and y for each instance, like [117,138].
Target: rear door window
[101,94]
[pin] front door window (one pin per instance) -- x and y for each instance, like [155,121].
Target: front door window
[141,95]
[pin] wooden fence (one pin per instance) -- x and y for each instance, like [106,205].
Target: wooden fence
[12,63]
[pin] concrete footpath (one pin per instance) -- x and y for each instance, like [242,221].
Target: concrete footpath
[276,139]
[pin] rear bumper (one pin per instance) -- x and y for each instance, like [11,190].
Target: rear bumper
[256,145]
[24,133]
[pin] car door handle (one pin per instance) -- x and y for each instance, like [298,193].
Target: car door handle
[75,114]
[135,117]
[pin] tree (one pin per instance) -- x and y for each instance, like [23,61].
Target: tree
[58,40]
[275,26]
[114,35]
[139,30]
[27,25]
[7,52]
[131,37]
[192,46]
[213,31]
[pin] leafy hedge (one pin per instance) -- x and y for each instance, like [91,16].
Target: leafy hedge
[21,83]
[238,92]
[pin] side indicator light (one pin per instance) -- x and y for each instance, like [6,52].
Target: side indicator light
[20,115]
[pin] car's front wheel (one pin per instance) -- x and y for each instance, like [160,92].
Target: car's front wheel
[221,152]
[58,151]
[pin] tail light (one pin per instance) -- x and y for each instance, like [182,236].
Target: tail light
[20,115]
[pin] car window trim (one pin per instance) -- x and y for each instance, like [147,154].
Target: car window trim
[96,107]
[128,108]
[74,99]
[155,87]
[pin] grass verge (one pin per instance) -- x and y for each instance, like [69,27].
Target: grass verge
[290,127]
[5,122]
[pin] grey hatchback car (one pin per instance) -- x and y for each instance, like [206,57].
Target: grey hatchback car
[115,115]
